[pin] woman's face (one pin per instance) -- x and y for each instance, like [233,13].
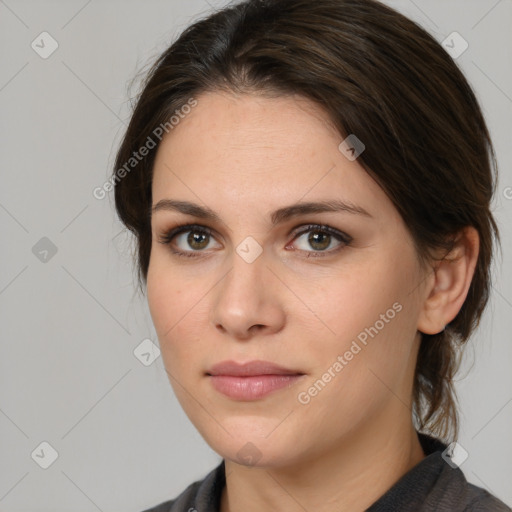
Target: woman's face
[338,307]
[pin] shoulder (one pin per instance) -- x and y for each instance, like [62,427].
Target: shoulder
[201,495]
[179,503]
[454,493]
[479,500]
[437,484]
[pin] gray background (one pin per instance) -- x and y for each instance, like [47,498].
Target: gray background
[70,323]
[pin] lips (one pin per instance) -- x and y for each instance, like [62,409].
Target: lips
[249,369]
[253,380]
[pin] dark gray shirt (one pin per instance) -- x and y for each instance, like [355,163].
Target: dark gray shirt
[431,486]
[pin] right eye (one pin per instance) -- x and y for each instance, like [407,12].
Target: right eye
[186,237]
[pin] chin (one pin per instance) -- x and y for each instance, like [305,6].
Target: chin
[249,448]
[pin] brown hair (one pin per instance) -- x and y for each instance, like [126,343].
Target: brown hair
[377,75]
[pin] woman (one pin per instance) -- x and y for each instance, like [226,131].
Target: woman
[309,185]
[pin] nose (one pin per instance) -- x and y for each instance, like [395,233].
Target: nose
[248,300]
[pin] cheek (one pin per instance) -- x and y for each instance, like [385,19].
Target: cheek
[176,310]
[166,291]
[160,296]
[164,299]
[367,313]
[359,297]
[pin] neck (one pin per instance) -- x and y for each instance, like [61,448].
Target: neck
[348,477]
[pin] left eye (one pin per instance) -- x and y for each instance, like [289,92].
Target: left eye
[320,238]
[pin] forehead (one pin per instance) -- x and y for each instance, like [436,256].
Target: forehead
[229,128]
[269,151]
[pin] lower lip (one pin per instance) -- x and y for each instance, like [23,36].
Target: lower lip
[251,388]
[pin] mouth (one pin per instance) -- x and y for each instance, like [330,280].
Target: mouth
[250,369]
[252,380]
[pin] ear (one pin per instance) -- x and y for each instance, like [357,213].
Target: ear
[449,285]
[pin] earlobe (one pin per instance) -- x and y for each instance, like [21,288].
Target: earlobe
[450,284]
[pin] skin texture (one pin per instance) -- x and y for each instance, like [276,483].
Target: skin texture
[244,156]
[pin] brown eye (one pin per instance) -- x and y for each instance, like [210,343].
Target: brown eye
[196,240]
[321,239]
[188,240]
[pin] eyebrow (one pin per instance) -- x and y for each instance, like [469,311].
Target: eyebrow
[277,217]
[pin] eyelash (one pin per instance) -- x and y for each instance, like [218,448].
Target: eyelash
[168,237]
